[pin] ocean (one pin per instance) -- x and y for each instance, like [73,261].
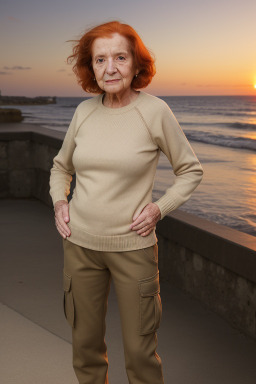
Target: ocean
[222,133]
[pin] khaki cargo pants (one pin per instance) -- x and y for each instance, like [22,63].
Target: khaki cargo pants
[87,277]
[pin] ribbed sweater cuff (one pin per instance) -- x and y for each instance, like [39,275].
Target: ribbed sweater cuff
[58,196]
[166,204]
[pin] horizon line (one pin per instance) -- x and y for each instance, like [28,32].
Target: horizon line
[89,96]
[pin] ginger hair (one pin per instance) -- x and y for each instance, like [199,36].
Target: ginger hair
[82,56]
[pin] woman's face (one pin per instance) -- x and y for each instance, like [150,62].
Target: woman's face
[113,64]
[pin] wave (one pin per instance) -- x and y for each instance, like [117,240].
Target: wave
[211,112]
[242,125]
[68,106]
[235,113]
[70,102]
[235,125]
[223,141]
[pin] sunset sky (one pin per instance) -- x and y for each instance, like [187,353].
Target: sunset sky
[201,47]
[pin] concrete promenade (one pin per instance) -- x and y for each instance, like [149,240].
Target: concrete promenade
[196,346]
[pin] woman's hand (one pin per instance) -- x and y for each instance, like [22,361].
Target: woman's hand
[61,210]
[145,222]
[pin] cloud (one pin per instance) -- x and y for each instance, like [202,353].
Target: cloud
[224,85]
[11,18]
[61,70]
[17,68]
[5,73]
[208,85]
[241,85]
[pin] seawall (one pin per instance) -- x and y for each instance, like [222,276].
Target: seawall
[213,263]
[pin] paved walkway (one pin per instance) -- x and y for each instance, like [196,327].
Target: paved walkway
[195,345]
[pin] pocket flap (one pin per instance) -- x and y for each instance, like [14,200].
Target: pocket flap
[66,282]
[149,286]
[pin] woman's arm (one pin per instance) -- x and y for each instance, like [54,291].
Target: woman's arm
[63,169]
[167,134]
[60,179]
[170,138]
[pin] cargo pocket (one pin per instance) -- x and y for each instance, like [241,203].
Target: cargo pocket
[150,304]
[69,310]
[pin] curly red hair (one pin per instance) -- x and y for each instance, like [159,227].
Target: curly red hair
[143,59]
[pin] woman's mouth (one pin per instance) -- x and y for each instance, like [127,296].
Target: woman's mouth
[112,81]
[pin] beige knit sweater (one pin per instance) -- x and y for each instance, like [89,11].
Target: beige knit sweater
[114,153]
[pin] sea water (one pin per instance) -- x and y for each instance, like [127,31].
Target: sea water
[222,133]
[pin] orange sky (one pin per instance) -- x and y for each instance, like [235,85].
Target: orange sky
[201,47]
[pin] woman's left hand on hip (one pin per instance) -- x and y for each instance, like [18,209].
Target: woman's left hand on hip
[145,221]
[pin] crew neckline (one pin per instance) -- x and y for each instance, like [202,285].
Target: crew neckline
[121,109]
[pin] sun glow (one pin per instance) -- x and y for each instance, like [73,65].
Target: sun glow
[255,86]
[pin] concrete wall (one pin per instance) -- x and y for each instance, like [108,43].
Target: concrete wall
[25,161]
[213,263]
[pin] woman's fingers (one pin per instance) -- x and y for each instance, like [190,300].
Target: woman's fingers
[146,221]
[62,227]
[65,213]
[62,217]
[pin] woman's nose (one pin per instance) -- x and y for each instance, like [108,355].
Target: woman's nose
[110,67]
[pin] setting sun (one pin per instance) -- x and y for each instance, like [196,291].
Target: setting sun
[255,86]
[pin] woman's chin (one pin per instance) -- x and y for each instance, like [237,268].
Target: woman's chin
[113,88]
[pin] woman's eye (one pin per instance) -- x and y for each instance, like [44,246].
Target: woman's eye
[100,61]
[121,58]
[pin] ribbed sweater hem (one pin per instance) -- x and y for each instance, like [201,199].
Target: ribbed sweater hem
[113,243]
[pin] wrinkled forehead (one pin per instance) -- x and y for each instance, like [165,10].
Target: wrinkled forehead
[112,44]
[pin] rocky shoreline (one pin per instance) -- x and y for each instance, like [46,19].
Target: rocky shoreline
[10,115]
[22,100]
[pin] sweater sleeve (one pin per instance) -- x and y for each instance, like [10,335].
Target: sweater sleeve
[63,169]
[170,138]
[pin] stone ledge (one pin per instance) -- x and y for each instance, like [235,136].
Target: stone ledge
[37,133]
[223,245]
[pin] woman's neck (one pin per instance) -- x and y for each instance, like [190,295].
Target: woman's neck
[112,100]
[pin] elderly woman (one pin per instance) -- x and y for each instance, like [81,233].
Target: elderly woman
[113,145]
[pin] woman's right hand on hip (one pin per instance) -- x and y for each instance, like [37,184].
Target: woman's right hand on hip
[61,210]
